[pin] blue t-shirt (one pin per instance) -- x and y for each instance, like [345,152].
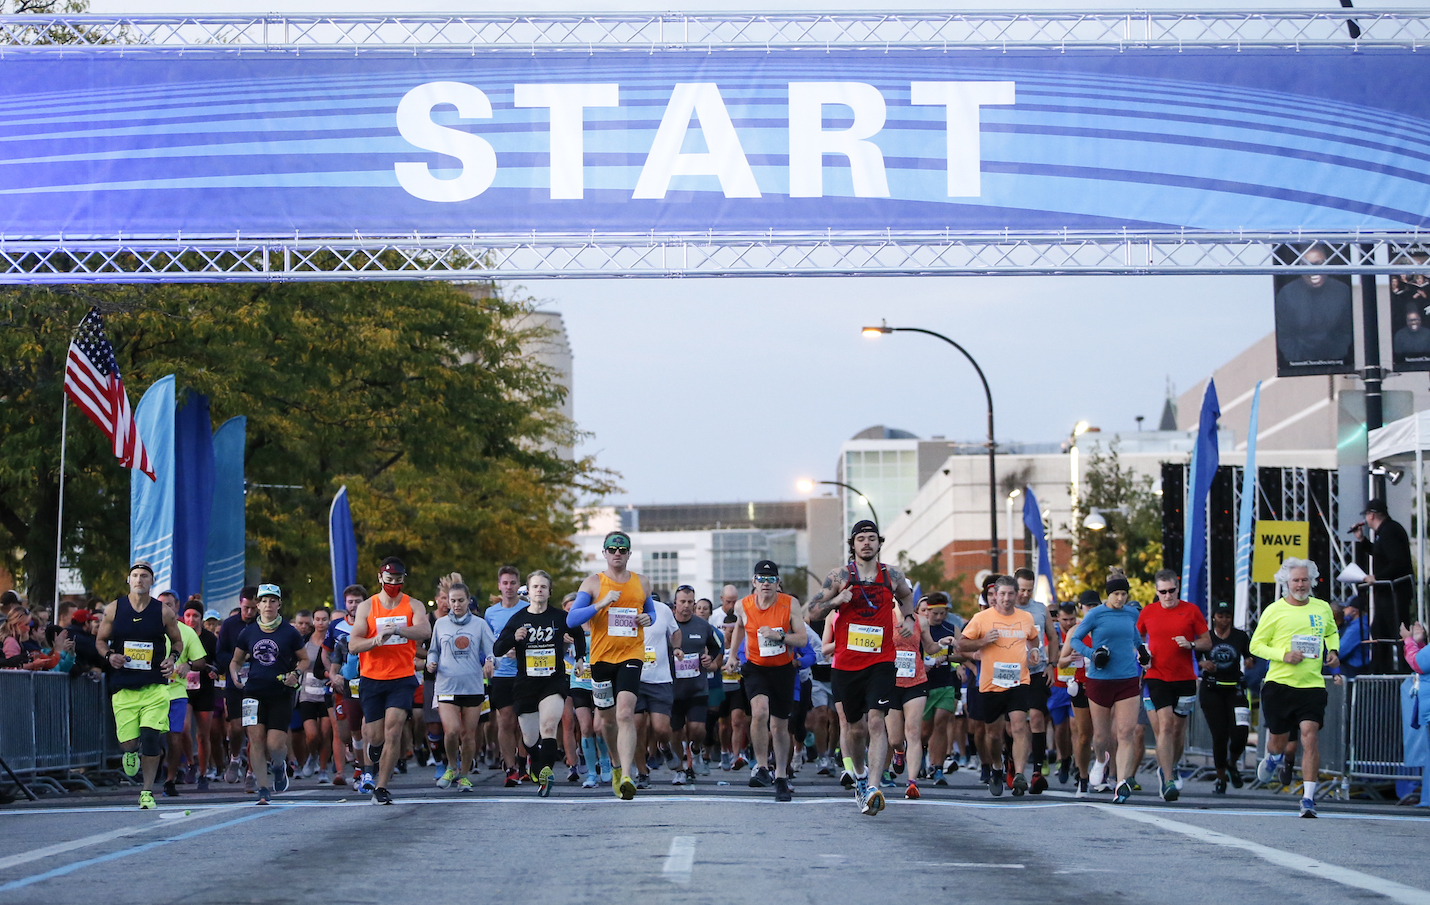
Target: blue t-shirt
[1115,630]
[270,655]
[497,617]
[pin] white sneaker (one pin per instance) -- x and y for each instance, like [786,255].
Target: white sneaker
[1096,773]
[323,777]
[678,779]
[310,766]
[1266,769]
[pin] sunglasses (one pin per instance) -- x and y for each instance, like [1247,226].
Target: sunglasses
[1166,590]
[766,579]
[618,549]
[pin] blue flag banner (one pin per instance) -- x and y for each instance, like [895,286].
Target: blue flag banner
[224,559]
[193,492]
[228,145]
[1206,456]
[342,545]
[1246,518]
[1033,521]
[151,503]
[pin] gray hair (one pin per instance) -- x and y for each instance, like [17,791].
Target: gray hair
[1283,574]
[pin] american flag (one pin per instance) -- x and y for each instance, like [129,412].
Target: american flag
[92,381]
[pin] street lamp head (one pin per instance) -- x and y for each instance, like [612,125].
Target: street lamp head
[1094,520]
[880,330]
[1080,428]
[1015,493]
[805,485]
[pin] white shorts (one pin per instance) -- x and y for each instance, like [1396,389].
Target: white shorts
[821,695]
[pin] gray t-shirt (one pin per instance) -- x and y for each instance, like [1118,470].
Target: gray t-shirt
[457,652]
[1039,612]
[696,637]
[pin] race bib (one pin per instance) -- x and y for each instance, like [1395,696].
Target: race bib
[905,664]
[353,687]
[1243,716]
[621,621]
[603,695]
[220,683]
[540,661]
[1067,674]
[1185,705]
[868,639]
[250,711]
[446,698]
[191,681]
[138,655]
[1308,645]
[649,656]
[729,678]
[314,685]
[584,673]
[769,647]
[396,622]
[687,666]
[1007,675]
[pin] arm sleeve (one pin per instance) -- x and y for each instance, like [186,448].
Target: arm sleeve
[581,610]
[804,657]
[578,641]
[650,609]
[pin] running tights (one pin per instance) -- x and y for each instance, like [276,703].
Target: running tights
[1219,703]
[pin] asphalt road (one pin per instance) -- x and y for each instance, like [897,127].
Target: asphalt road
[707,844]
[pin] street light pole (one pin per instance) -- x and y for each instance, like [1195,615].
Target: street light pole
[807,485]
[993,551]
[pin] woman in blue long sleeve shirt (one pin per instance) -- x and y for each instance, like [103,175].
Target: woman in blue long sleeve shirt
[1107,637]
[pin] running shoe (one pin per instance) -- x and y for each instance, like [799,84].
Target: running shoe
[367,785]
[543,783]
[628,789]
[938,778]
[1039,784]
[1124,792]
[402,765]
[1288,773]
[1220,787]
[1308,807]
[464,785]
[1267,768]
[280,780]
[604,771]
[702,766]
[642,781]
[1180,781]
[310,766]
[898,762]
[873,803]
[1020,785]
[671,761]
[912,791]
[825,767]
[250,782]
[782,790]
[1081,789]
[739,763]
[324,777]
[616,779]
[725,760]
[886,779]
[1169,791]
[678,779]
[513,778]
[1008,772]
[1136,786]
[573,775]
[761,779]
[447,778]
[861,792]
[380,795]
[170,789]
[264,796]
[1064,768]
[146,801]
[591,780]
[232,771]
[653,762]
[1234,775]
[985,773]
[952,765]
[131,764]
[1098,773]
[689,776]
[441,770]
[846,779]
[202,785]
[995,782]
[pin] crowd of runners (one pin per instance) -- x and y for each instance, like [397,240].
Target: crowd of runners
[863,683]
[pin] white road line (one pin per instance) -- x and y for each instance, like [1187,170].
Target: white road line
[1397,892]
[59,848]
[966,864]
[680,860]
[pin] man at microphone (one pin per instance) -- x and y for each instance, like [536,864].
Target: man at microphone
[1390,562]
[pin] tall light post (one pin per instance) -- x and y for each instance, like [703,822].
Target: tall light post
[806,485]
[1012,495]
[993,551]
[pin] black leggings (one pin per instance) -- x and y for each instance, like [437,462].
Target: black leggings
[1219,703]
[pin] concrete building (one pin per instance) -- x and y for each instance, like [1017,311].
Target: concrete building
[549,345]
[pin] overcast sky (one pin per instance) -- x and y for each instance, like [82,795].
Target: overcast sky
[732,389]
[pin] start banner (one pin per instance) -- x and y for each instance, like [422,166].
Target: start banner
[212,144]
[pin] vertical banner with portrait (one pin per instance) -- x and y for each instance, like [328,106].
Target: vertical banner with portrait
[1410,311]
[1315,317]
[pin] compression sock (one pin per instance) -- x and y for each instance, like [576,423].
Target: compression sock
[849,765]
[547,754]
[1040,750]
[593,759]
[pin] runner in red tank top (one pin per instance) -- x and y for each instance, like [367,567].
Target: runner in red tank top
[866,593]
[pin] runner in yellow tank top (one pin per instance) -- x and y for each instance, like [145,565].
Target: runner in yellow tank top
[618,607]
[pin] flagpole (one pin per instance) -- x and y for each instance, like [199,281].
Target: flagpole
[60,519]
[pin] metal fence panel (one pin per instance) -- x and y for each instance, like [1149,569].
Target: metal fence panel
[1375,743]
[52,720]
[88,723]
[17,720]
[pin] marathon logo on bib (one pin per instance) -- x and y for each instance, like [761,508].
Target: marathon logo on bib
[867,639]
[769,647]
[650,656]
[138,655]
[1308,645]
[395,622]
[621,621]
[540,661]
[905,664]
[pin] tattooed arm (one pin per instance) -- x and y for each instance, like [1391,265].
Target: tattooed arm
[833,594]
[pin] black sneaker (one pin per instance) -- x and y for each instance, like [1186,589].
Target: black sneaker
[170,790]
[1020,785]
[642,780]
[1220,787]
[782,792]
[380,795]
[1288,774]
[984,773]
[1064,769]
[995,783]
[760,779]
[1234,775]
[402,765]
[846,779]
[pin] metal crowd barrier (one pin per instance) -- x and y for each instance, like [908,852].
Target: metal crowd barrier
[52,724]
[1376,747]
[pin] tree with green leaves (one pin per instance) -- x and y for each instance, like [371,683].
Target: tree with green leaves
[416,395]
[931,576]
[1132,539]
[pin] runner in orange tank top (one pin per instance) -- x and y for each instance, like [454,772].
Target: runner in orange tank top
[770,625]
[619,608]
[385,634]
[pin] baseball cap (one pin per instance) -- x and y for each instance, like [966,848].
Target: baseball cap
[1222,606]
[1377,506]
[766,567]
[394,565]
[212,614]
[269,590]
[863,525]
[79,616]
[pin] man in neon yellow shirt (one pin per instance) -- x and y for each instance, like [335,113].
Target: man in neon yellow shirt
[1294,634]
[191,660]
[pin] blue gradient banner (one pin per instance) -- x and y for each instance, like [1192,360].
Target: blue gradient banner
[270,144]
[224,559]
